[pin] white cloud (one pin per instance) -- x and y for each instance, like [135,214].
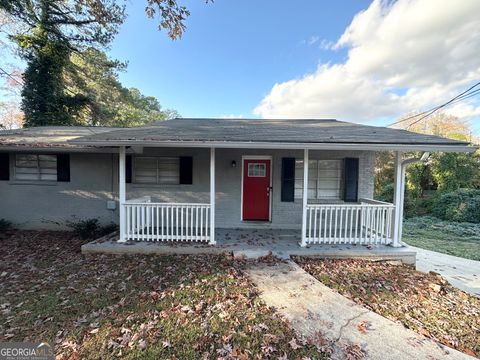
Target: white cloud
[231,116]
[402,56]
[313,40]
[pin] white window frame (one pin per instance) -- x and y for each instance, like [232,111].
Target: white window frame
[39,168]
[257,166]
[158,181]
[318,180]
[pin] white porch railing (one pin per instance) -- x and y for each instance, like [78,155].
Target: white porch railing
[369,222]
[147,221]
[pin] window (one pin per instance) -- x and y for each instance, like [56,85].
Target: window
[324,179]
[256,170]
[35,167]
[157,170]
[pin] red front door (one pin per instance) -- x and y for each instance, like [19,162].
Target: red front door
[256,190]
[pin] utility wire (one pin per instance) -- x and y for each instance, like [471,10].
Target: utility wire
[460,97]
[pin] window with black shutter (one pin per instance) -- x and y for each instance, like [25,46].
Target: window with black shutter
[4,166]
[63,167]
[186,170]
[288,179]
[351,179]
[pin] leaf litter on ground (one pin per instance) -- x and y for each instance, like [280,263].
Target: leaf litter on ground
[136,306]
[425,303]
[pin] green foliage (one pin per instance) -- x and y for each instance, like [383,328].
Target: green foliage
[452,171]
[94,75]
[386,193]
[384,172]
[5,225]
[445,172]
[44,75]
[55,30]
[462,205]
[453,238]
[90,228]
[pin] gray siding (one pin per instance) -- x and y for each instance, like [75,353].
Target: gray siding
[49,205]
[94,181]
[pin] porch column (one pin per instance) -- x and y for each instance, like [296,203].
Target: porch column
[212,196]
[304,198]
[121,192]
[398,198]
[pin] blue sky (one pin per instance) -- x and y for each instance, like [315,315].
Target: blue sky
[354,60]
[232,52]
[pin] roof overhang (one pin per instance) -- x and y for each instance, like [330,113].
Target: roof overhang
[283,145]
[58,149]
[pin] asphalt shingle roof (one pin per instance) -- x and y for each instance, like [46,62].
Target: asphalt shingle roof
[262,130]
[48,136]
[222,131]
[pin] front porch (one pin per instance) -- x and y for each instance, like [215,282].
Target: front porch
[254,243]
[347,218]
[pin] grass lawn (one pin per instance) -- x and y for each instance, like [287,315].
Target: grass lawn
[107,306]
[458,239]
[425,303]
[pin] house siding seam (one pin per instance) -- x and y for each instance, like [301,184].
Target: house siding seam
[94,181]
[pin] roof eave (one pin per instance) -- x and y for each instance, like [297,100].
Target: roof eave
[460,147]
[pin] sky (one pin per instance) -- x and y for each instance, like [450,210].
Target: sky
[359,61]
[353,60]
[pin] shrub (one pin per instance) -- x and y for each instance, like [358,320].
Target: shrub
[108,229]
[386,193]
[91,228]
[462,205]
[411,203]
[85,229]
[5,225]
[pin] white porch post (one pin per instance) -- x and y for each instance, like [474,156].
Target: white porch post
[121,192]
[304,198]
[398,196]
[212,196]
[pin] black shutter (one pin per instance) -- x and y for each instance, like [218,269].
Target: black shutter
[288,179]
[63,167]
[351,180]
[186,170]
[4,166]
[128,169]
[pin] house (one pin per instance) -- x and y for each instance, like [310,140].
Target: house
[179,180]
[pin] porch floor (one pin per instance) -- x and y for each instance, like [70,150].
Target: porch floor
[252,243]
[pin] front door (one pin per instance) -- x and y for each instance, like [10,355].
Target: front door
[256,190]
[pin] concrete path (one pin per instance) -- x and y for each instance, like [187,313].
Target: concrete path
[461,273]
[317,312]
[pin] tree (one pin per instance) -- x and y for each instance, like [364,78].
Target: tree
[444,172]
[440,124]
[56,29]
[11,116]
[108,103]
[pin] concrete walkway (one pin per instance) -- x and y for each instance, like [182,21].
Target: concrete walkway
[315,311]
[461,273]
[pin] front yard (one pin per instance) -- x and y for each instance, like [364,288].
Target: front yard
[105,306]
[425,303]
[458,239]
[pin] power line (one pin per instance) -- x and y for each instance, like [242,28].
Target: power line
[460,97]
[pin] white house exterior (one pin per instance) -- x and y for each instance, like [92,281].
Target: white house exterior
[181,179]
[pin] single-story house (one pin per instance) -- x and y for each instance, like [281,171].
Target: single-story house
[179,180]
